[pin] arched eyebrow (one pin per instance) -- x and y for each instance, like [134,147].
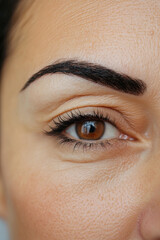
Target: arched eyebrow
[94,73]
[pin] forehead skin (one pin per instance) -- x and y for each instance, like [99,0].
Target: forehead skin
[78,203]
[105,32]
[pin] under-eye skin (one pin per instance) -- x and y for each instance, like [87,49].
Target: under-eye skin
[89,130]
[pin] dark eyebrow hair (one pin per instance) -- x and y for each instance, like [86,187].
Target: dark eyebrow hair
[94,73]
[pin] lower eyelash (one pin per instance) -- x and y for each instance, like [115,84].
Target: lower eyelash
[62,139]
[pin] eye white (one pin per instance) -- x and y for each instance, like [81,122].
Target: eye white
[110,131]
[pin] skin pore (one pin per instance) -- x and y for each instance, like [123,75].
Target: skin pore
[55,191]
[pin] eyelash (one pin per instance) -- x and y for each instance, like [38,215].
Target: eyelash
[75,116]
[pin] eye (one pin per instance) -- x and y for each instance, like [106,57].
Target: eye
[90,128]
[93,130]
[90,134]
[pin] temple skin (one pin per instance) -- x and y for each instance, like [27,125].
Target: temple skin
[47,191]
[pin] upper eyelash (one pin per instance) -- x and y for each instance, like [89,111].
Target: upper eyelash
[73,117]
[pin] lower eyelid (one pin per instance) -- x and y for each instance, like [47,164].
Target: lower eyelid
[82,152]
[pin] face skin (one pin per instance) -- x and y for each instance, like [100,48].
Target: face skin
[48,190]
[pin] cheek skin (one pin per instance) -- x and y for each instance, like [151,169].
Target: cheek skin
[49,199]
[63,207]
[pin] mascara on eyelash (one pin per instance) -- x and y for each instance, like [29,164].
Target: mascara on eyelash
[76,116]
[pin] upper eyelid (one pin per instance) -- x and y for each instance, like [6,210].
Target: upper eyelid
[104,116]
[71,119]
[76,116]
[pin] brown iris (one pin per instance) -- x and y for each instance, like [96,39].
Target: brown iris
[90,130]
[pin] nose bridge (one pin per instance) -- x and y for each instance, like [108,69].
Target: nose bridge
[150,222]
[150,218]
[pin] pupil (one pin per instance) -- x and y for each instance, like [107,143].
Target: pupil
[88,127]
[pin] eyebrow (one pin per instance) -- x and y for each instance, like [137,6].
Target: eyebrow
[94,73]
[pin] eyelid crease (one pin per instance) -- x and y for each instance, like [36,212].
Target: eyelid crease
[37,117]
[82,101]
